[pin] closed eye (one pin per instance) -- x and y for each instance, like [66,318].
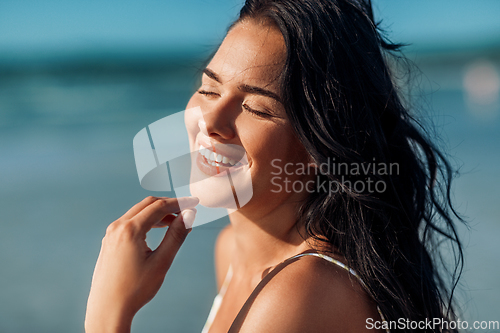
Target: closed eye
[207,93]
[246,107]
[257,113]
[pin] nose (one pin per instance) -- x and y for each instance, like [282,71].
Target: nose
[218,121]
[203,126]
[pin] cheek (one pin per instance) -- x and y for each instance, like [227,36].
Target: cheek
[271,142]
[191,119]
[193,101]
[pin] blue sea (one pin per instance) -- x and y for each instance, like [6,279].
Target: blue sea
[67,170]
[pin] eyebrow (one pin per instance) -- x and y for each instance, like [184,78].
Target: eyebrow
[244,87]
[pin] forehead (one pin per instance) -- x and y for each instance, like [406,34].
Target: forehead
[250,51]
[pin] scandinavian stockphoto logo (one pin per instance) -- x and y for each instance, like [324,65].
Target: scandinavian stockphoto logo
[175,154]
[363,177]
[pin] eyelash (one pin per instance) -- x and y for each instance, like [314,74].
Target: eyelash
[246,107]
[257,113]
[207,93]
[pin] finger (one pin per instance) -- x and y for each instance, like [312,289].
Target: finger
[143,204]
[188,216]
[139,207]
[173,239]
[156,211]
[167,220]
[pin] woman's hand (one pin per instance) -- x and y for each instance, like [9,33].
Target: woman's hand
[128,274]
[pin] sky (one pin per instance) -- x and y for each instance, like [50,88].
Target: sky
[31,26]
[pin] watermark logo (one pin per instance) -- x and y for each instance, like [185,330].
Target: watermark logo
[365,177]
[434,324]
[173,155]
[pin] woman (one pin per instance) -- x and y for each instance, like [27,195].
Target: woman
[348,197]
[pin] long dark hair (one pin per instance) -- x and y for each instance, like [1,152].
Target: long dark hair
[344,107]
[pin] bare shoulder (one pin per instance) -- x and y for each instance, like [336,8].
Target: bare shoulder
[223,248]
[309,295]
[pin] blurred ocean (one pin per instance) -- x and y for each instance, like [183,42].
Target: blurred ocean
[67,170]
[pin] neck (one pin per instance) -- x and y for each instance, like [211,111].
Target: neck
[262,243]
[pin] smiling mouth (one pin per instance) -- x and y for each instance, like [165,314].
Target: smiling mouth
[217,160]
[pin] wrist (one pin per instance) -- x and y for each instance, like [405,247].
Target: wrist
[107,328]
[104,322]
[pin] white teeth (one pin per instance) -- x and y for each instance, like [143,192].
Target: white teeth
[213,158]
[204,151]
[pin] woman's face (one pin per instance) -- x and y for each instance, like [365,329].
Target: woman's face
[241,108]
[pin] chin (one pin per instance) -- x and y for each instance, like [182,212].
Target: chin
[214,193]
[230,189]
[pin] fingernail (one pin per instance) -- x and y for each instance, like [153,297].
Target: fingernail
[188,216]
[187,202]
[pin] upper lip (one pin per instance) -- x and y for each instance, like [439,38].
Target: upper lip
[231,151]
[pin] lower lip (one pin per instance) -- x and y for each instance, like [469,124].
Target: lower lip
[209,169]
